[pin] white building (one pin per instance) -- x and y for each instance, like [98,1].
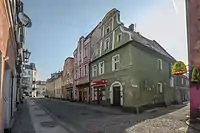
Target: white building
[40,89]
[29,77]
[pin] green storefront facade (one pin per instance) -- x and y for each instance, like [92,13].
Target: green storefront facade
[129,70]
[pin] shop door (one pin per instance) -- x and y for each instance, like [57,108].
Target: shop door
[116,96]
[80,96]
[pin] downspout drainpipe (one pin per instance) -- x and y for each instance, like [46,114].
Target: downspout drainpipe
[89,84]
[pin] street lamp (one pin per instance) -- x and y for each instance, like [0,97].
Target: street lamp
[26,55]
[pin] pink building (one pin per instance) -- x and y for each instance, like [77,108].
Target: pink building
[81,69]
[193,28]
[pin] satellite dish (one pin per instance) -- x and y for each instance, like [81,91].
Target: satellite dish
[24,19]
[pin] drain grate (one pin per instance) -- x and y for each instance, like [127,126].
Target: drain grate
[48,124]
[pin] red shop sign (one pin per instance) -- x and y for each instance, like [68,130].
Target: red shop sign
[100,82]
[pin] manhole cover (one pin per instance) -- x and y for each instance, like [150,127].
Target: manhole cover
[84,113]
[40,115]
[36,108]
[48,124]
[96,111]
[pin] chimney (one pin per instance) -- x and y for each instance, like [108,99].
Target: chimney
[131,27]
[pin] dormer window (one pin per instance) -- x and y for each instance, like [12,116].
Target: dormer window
[119,37]
[108,29]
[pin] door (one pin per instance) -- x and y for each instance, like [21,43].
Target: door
[116,96]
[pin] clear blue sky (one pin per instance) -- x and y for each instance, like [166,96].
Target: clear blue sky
[58,24]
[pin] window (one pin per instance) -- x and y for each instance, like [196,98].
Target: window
[85,52]
[76,74]
[159,87]
[80,72]
[85,70]
[29,72]
[182,81]
[115,62]
[94,70]
[119,37]
[108,29]
[101,68]
[160,67]
[67,75]
[171,82]
[187,82]
[106,44]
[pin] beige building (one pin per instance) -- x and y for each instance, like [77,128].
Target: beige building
[50,85]
[58,86]
[53,85]
[67,79]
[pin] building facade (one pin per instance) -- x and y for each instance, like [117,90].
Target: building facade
[67,79]
[58,86]
[10,52]
[81,69]
[29,78]
[40,89]
[124,65]
[50,87]
[193,35]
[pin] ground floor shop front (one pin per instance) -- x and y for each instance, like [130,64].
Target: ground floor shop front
[82,93]
[103,94]
[129,94]
[67,92]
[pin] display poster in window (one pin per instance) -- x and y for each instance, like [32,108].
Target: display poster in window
[179,68]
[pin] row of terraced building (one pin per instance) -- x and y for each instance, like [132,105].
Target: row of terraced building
[115,65]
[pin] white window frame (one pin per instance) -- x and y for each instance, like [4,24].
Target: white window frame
[107,29]
[172,82]
[114,62]
[94,71]
[106,46]
[182,81]
[119,40]
[101,69]
[160,90]
[160,64]
[85,70]
[85,51]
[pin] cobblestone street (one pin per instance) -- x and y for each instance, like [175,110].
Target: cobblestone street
[82,118]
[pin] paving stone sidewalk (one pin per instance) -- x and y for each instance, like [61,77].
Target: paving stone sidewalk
[23,123]
[163,120]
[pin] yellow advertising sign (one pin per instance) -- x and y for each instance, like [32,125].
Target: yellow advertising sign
[179,68]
